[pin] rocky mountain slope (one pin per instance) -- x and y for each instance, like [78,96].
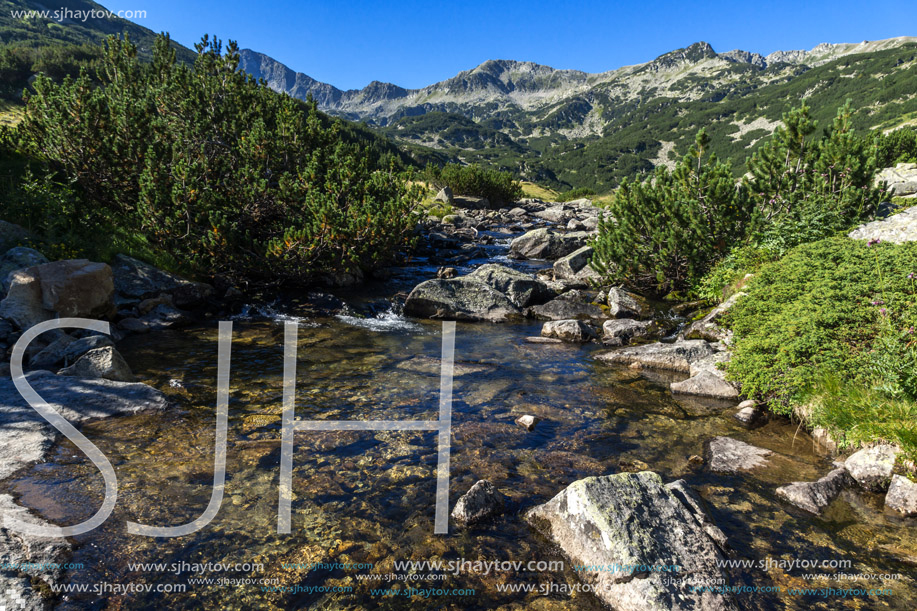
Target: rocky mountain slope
[570,128]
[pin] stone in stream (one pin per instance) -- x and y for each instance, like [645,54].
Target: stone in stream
[902,496]
[528,422]
[620,331]
[706,384]
[105,362]
[461,298]
[815,496]
[572,305]
[632,519]
[677,356]
[568,330]
[624,304]
[546,244]
[482,501]
[543,340]
[575,266]
[728,455]
[750,414]
[872,467]
[522,289]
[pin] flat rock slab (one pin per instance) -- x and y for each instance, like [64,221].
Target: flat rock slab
[815,496]
[633,520]
[677,356]
[25,436]
[898,228]
[728,455]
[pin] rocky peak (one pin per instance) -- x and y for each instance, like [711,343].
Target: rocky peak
[744,57]
[692,54]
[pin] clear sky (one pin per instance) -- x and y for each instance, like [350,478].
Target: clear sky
[416,43]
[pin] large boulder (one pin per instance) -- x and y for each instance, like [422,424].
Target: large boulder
[620,331]
[482,501]
[546,244]
[462,298]
[522,289]
[677,356]
[633,520]
[901,180]
[22,304]
[624,304]
[569,306]
[815,496]
[568,330]
[105,362]
[872,467]
[576,266]
[20,257]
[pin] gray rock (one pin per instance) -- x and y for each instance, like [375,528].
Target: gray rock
[76,287]
[568,330]
[22,304]
[462,298]
[546,244]
[105,362]
[573,305]
[558,215]
[706,384]
[688,497]
[575,266]
[897,229]
[623,304]
[20,257]
[444,195]
[623,330]
[872,467]
[728,455]
[134,325]
[522,289]
[543,340]
[135,279]
[482,501]
[52,354]
[815,496]
[25,436]
[632,519]
[902,496]
[901,180]
[528,422]
[709,363]
[164,316]
[81,346]
[10,234]
[677,356]
[750,416]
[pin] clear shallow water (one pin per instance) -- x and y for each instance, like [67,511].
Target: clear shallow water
[364,497]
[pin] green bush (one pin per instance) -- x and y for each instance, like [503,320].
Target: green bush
[664,234]
[742,260]
[821,310]
[215,170]
[473,180]
[572,194]
[806,189]
[899,146]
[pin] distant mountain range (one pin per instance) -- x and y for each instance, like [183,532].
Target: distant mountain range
[569,128]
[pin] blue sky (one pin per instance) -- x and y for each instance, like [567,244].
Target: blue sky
[412,44]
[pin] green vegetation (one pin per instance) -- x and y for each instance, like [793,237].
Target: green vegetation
[207,170]
[831,325]
[498,187]
[898,146]
[663,235]
[573,194]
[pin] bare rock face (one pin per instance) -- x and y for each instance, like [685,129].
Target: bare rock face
[898,228]
[728,455]
[677,356]
[105,362]
[872,467]
[482,501]
[568,330]
[902,496]
[633,520]
[815,496]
